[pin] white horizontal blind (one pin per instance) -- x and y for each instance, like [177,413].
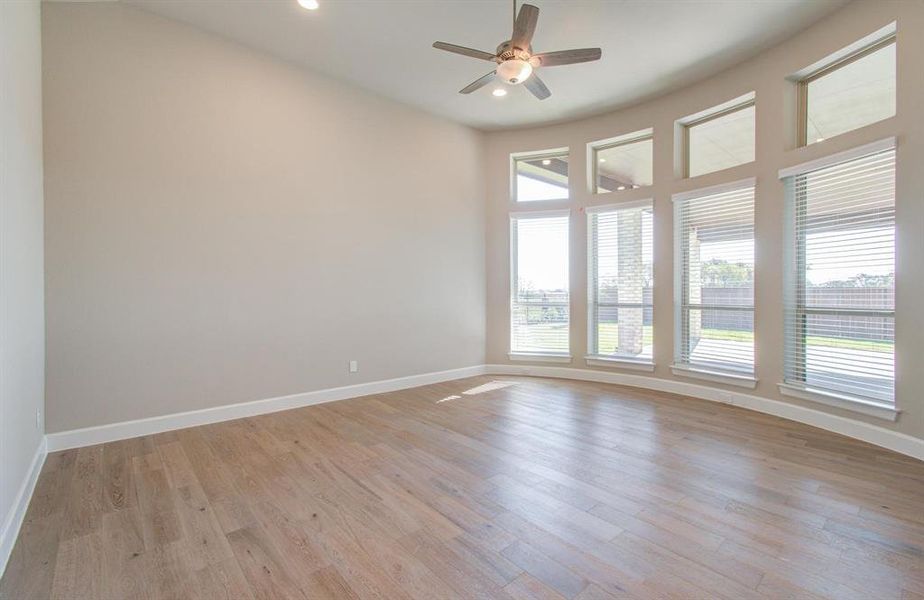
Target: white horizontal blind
[620,277]
[539,310]
[840,296]
[715,267]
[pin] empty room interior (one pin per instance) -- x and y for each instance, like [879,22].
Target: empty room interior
[431,299]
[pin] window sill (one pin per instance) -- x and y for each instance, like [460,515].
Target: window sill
[745,381]
[620,363]
[548,357]
[871,408]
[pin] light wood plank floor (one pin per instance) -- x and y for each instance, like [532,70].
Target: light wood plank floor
[479,488]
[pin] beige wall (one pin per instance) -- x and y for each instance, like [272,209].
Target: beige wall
[765,75]
[22,318]
[224,227]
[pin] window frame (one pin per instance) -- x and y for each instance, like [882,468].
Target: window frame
[593,357]
[803,82]
[630,138]
[538,155]
[682,307]
[722,112]
[795,251]
[535,355]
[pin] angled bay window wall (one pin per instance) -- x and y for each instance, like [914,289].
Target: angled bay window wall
[840,292]
[620,278]
[714,283]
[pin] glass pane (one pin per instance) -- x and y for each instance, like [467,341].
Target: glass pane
[857,94]
[539,328]
[539,315]
[625,166]
[851,354]
[722,339]
[722,142]
[624,332]
[542,178]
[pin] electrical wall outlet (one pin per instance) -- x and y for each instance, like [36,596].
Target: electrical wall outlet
[38,418]
[354,366]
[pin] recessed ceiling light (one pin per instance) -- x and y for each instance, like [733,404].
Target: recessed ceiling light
[547,161]
[820,140]
[309,4]
[620,188]
[602,160]
[499,92]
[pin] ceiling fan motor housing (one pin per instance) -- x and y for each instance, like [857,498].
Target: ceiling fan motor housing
[514,66]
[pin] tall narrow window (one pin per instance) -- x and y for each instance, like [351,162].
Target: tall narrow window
[715,267]
[840,296]
[620,278]
[539,309]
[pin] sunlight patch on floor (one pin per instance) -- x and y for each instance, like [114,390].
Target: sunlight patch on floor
[480,389]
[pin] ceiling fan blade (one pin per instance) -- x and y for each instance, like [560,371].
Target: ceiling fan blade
[537,87]
[478,83]
[464,51]
[567,57]
[524,27]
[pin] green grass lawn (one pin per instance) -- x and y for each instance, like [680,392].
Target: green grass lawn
[554,337]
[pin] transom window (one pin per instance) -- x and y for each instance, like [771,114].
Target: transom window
[719,139]
[540,176]
[540,300]
[714,247]
[848,93]
[623,163]
[840,296]
[621,281]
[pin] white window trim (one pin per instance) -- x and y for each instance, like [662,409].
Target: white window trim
[715,376]
[518,156]
[596,360]
[721,188]
[865,406]
[839,157]
[644,203]
[546,357]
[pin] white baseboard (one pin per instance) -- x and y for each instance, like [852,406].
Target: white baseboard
[879,436]
[17,512]
[892,440]
[89,436]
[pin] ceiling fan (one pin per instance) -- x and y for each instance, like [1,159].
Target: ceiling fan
[515,60]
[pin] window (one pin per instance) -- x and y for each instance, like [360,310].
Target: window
[539,311]
[849,93]
[541,176]
[720,140]
[623,163]
[620,278]
[715,267]
[840,296]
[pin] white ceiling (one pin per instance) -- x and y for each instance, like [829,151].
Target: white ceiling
[649,46]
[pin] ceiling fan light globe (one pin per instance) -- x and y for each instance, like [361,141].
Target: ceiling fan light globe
[514,71]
